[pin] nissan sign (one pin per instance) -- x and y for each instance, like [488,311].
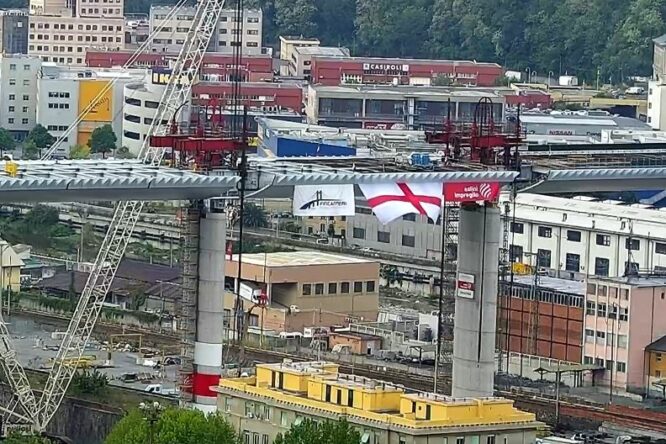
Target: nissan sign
[385,67]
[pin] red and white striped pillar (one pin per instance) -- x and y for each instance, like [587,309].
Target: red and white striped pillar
[210,311]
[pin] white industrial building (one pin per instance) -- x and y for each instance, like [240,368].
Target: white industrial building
[141,100]
[572,238]
[172,36]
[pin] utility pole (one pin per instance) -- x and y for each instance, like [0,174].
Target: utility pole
[440,313]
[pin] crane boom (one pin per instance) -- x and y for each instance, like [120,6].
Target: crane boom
[126,214]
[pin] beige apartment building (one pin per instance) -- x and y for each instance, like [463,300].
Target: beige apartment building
[61,31]
[172,36]
[310,288]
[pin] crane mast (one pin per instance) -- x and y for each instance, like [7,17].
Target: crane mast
[176,95]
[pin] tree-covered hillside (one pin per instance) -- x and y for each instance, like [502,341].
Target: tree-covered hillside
[583,37]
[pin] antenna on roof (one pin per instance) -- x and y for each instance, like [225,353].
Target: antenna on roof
[629,268]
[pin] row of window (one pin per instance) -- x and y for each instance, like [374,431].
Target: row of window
[12,82]
[56,128]
[13,97]
[332,287]
[70,27]
[601,337]
[12,120]
[603,310]
[223,18]
[12,67]
[58,105]
[385,237]
[572,261]
[70,60]
[620,367]
[115,11]
[12,109]
[543,295]
[605,290]
[79,38]
[575,236]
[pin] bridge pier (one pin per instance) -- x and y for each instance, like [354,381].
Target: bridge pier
[209,310]
[476,301]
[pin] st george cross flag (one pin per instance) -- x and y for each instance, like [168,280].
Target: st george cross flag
[390,201]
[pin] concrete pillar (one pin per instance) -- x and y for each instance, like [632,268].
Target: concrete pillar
[210,311]
[476,301]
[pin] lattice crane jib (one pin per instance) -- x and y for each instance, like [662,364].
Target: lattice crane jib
[176,95]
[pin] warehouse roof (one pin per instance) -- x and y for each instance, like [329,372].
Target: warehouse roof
[657,346]
[299,259]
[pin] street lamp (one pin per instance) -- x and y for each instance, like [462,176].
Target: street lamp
[151,413]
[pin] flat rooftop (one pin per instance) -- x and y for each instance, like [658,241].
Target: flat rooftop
[330,51]
[407,90]
[551,283]
[640,281]
[415,61]
[299,259]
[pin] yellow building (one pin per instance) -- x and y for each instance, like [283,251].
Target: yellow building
[10,268]
[656,360]
[281,395]
[325,225]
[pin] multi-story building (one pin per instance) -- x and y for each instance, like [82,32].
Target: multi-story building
[14,31]
[329,226]
[300,63]
[656,113]
[62,31]
[384,107]
[622,320]
[64,94]
[174,31]
[216,67]
[288,45]
[303,288]
[19,75]
[333,71]
[285,394]
[571,238]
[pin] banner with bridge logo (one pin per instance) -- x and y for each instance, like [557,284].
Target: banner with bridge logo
[324,200]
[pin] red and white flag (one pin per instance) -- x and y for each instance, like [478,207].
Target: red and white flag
[390,201]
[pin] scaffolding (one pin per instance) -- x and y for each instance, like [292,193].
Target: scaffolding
[187,305]
[451,220]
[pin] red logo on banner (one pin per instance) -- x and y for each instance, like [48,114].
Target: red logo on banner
[471,191]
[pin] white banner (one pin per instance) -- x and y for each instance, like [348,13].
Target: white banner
[324,200]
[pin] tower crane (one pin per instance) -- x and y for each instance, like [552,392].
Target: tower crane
[176,95]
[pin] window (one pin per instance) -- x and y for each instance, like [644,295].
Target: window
[319,289]
[621,367]
[383,237]
[599,362]
[460,440]
[589,335]
[370,286]
[516,253]
[591,289]
[249,409]
[601,266]
[601,335]
[633,244]
[660,248]
[573,235]
[408,241]
[622,341]
[26,82]
[411,217]
[601,310]
[332,288]
[246,437]
[490,439]
[543,258]
[12,97]
[657,357]
[24,121]
[12,109]
[657,373]
[517,227]
[307,289]
[545,231]
[358,233]
[358,287]
[588,360]
[612,312]
[152,105]
[264,439]
[591,308]
[625,293]
[613,292]
[26,97]
[609,364]
[344,287]
[284,419]
[573,262]
[603,239]
[624,314]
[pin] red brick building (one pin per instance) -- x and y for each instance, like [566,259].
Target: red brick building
[217,66]
[530,98]
[545,321]
[362,70]
[260,95]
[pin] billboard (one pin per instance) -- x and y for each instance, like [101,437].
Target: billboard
[162,76]
[102,106]
[471,191]
[324,200]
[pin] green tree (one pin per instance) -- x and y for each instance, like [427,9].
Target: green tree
[173,426]
[7,142]
[296,17]
[103,140]
[30,151]
[89,383]
[41,137]
[254,216]
[310,432]
[78,152]
[17,438]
